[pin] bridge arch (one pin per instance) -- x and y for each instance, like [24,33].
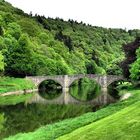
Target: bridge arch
[112,78]
[97,78]
[50,79]
[39,79]
[49,89]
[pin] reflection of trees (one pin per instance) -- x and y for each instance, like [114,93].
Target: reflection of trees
[85,90]
[50,89]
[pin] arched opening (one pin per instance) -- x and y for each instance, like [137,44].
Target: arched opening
[115,87]
[85,89]
[50,89]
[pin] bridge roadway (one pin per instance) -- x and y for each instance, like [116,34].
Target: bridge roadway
[66,80]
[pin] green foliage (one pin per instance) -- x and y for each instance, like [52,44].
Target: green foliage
[8,17]
[114,68]
[1,62]
[2,121]
[13,84]
[1,30]
[45,46]
[130,57]
[66,39]
[14,30]
[135,67]
[29,26]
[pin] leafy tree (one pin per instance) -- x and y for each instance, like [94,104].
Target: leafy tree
[66,39]
[135,67]
[1,62]
[130,54]
[21,58]
[14,30]
[8,17]
[1,26]
[114,67]
[1,31]
[28,26]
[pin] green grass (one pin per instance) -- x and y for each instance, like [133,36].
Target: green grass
[123,125]
[51,132]
[14,99]
[13,84]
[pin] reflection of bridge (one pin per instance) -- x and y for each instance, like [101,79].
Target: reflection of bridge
[66,80]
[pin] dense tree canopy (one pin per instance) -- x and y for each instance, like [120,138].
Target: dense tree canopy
[35,45]
[135,67]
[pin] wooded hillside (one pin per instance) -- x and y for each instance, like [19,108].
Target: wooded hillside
[35,45]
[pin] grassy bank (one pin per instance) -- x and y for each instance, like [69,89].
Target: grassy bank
[56,130]
[123,125]
[8,84]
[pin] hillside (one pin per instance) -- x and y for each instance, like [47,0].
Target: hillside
[119,120]
[35,45]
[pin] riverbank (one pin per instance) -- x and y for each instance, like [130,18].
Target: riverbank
[11,85]
[19,92]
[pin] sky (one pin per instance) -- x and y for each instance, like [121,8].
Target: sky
[106,13]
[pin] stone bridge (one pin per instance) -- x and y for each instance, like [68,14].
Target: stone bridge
[66,80]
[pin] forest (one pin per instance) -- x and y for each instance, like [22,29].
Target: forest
[36,45]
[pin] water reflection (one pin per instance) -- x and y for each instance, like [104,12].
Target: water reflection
[41,100]
[50,89]
[85,91]
[82,90]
